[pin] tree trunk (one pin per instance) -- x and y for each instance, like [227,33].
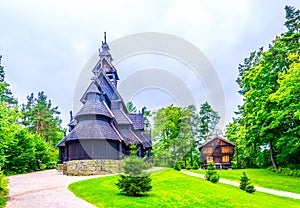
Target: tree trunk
[191,156]
[272,155]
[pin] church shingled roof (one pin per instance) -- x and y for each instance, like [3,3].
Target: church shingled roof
[121,116]
[93,129]
[94,108]
[137,120]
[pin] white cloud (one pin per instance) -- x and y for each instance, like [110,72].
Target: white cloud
[46,43]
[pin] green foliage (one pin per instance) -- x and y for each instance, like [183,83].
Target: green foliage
[174,189]
[211,173]
[196,166]
[20,149]
[246,185]
[3,185]
[244,181]
[39,117]
[52,165]
[177,167]
[3,189]
[135,182]
[131,108]
[20,154]
[135,185]
[23,151]
[288,172]
[208,119]
[267,130]
[5,93]
[175,135]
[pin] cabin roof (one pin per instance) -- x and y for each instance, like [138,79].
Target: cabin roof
[216,138]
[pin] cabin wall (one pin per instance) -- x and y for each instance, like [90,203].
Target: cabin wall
[218,152]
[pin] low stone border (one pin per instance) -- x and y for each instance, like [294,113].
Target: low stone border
[90,167]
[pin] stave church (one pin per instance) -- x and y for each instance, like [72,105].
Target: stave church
[103,129]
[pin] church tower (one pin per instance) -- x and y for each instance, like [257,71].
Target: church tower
[103,129]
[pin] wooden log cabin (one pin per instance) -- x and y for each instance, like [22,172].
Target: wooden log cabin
[219,151]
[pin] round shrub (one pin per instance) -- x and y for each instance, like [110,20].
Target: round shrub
[214,178]
[177,167]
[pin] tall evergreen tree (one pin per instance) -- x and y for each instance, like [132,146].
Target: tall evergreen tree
[208,119]
[5,93]
[131,107]
[41,118]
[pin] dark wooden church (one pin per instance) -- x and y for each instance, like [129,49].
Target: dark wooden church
[217,150]
[103,128]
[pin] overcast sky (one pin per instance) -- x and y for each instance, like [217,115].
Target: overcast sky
[45,44]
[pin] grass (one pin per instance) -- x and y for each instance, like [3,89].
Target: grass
[175,189]
[263,178]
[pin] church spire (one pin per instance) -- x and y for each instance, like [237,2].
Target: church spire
[105,50]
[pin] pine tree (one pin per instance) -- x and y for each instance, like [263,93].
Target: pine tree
[41,118]
[134,182]
[245,184]
[208,119]
[211,173]
[5,93]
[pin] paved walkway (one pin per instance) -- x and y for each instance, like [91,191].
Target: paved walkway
[261,189]
[44,189]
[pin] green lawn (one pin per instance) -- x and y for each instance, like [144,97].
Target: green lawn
[175,189]
[263,178]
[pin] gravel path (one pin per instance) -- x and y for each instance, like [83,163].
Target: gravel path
[261,189]
[44,189]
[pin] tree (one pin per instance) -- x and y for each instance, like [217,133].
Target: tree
[264,122]
[39,117]
[188,135]
[245,184]
[211,173]
[5,93]
[131,107]
[147,114]
[166,130]
[208,119]
[287,115]
[134,182]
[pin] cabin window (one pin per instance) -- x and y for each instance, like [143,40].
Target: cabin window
[226,150]
[208,150]
[209,159]
[225,159]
